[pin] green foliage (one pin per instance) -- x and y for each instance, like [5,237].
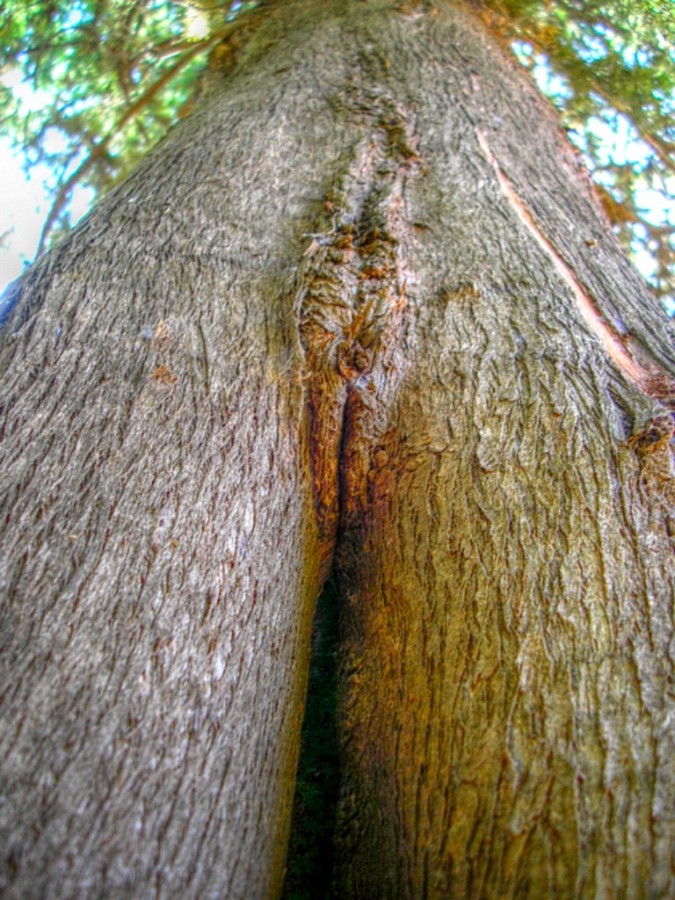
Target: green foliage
[87,87]
[609,66]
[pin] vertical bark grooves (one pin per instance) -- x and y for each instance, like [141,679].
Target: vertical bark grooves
[314,329]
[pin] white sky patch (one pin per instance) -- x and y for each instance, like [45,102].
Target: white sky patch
[24,206]
[24,200]
[32,100]
[196,23]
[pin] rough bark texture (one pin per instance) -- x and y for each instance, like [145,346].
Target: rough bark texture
[360,310]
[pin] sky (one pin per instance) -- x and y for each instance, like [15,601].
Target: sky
[24,206]
[22,210]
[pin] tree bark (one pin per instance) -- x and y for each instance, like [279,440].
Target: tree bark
[359,312]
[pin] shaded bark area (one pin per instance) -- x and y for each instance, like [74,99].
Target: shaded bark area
[309,862]
[359,313]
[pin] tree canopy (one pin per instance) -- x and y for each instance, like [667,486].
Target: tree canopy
[88,87]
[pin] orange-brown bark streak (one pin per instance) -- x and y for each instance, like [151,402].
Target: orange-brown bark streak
[352,298]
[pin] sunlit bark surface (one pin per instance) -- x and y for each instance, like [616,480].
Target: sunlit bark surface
[359,313]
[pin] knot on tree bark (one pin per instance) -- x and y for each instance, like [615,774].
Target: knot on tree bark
[353,360]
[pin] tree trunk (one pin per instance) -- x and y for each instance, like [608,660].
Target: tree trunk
[359,312]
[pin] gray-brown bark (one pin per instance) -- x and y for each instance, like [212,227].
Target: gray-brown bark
[359,310]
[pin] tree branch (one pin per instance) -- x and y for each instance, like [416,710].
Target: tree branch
[129,113]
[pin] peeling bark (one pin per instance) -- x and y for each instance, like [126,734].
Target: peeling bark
[633,362]
[359,313]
